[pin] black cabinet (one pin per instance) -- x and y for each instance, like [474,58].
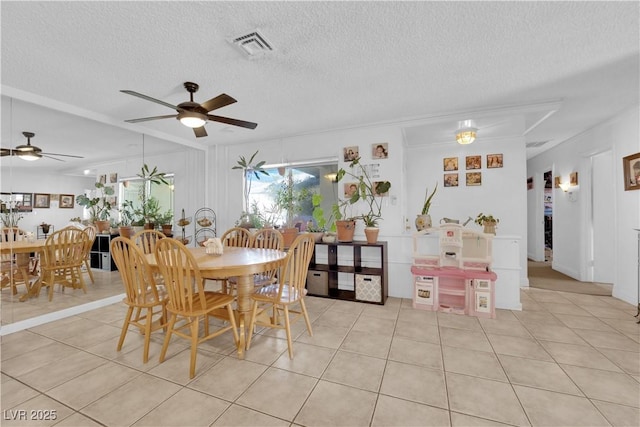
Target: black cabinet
[100,254]
[354,271]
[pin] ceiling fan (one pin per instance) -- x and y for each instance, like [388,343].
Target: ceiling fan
[31,152]
[192,114]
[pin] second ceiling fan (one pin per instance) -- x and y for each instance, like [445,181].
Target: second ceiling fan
[191,113]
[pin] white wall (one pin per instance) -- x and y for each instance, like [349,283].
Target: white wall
[571,220]
[409,170]
[21,181]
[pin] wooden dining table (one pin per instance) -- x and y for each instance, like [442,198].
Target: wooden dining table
[242,263]
[22,249]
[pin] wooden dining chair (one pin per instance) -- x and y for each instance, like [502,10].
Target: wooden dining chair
[16,269]
[236,237]
[143,295]
[272,303]
[91,232]
[188,300]
[62,259]
[266,238]
[146,240]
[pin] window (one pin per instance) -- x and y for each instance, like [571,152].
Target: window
[266,204]
[131,189]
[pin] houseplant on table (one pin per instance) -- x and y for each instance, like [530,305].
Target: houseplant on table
[367,191]
[488,222]
[423,220]
[99,206]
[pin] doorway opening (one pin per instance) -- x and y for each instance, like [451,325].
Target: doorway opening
[548,216]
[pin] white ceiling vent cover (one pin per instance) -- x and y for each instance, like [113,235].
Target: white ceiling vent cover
[253,44]
[536,144]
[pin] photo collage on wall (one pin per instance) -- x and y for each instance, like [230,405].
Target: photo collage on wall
[26,202]
[473,166]
[377,151]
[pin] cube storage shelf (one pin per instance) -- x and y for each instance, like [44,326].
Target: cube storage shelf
[354,271]
[100,253]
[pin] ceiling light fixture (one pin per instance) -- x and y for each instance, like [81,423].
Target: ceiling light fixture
[192,119]
[466,132]
[30,156]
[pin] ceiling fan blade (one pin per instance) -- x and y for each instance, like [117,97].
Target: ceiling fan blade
[53,158]
[5,152]
[63,155]
[200,132]
[234,122]
[146,119]
[148,98]
[219,101]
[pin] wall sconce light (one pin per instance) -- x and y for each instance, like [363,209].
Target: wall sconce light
[571,195]
[466,132]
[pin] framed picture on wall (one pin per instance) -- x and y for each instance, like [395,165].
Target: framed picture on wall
[556,182]
[474,162]
[530,183]
[66,201]
[450,179]
[631,172]
[41,200]
[450,163]
[350,188]
[494,161]
[573,179]
[474,179]
[350,153]
[380,151]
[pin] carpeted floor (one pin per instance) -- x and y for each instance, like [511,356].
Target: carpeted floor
[543,277]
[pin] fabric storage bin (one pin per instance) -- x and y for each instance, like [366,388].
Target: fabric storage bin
[318,282]
[368,288]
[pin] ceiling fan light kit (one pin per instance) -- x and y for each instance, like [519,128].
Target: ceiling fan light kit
[192,114]
[31,152]
[466,132]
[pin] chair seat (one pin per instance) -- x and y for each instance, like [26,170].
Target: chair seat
[269,293]
[149,299]
[213,299]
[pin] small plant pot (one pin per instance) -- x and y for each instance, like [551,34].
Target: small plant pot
[423,222]
[126,231]
[372,234]
[103,226]
[489,227]
[346,229]
[289,235]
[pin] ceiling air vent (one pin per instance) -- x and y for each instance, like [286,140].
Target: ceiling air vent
[536,144]
[253,44]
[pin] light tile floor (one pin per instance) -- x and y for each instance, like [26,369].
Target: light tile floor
[565,360]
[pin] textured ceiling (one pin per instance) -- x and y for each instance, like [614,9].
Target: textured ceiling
[334,65]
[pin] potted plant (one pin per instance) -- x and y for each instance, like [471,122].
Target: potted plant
[248,168]
[150,206]
[99,206]
[368,192]
[488,222]
[290,199]
[10,218]
[424,219]
[127,217]
[322,225]
[165,221]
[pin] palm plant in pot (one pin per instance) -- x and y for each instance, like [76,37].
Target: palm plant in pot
[367,191]
[424,219]
[249,168]
[99,206]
